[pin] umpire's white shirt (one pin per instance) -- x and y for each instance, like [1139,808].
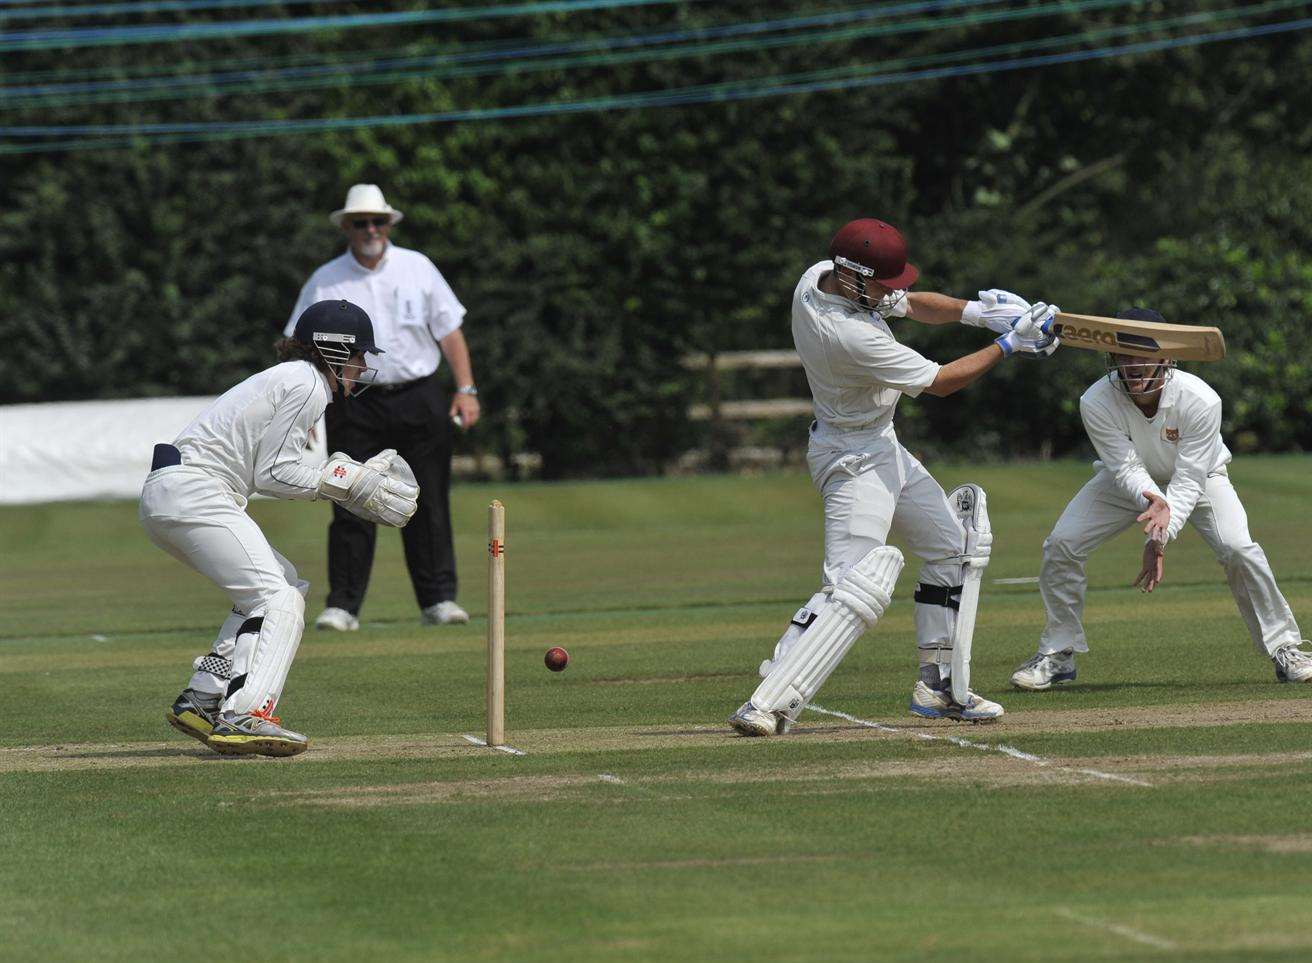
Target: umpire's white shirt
[253,436]
[854,365]
[407,299]
[1178,447]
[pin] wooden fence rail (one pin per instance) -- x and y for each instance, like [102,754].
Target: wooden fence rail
[717,409]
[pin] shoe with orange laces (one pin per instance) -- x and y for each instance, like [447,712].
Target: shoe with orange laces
[257,733]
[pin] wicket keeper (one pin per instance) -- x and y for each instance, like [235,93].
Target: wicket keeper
[193,506]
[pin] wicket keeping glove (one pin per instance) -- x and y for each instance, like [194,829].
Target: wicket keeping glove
[382,490]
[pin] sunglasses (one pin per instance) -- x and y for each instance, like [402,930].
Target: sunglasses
[360,223]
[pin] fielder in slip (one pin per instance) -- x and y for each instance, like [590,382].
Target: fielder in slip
[872,486]
[193,506]
[1155,428]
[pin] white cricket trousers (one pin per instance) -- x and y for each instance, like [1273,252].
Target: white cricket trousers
[203,524]
[872,486]
[1101,510]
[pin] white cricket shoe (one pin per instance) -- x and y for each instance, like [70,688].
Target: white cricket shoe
[443,613]
[939,704]
[751,721]
[1044,670]
[1292,664]
[339,619]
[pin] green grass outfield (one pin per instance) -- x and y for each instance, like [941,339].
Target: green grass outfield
[1165,815]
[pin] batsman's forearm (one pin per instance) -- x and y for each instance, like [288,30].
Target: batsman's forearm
[930,307]
[955,375]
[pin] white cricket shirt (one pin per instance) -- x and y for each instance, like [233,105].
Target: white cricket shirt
[1178,447]
[856,369]
[407,299]
[252,436]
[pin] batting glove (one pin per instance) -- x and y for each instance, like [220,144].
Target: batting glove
[1032,333]
[996,310]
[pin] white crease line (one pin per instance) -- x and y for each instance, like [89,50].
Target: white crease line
[615,780]
[1111,775]
[1003,748]
[509,750]
[1139,936]
[1025,580]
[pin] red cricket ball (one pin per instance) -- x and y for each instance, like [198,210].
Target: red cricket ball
[556,659]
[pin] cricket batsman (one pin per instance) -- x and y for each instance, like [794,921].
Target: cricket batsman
[1157,433]
[871,485]
[193,506]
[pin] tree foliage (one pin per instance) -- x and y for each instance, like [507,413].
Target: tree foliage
[594,249]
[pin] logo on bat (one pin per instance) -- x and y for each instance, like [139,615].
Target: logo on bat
[1111,339]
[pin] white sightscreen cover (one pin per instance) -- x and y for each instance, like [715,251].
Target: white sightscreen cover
[74,450]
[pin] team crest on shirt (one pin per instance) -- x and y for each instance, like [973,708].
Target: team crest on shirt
[1170,434]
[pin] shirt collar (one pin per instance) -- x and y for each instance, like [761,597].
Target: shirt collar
[838,301]
[1170,393]
[323,379]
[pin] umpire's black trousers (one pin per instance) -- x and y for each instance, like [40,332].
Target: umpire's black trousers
[412,418]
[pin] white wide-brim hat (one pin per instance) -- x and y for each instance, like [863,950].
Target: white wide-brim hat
[365,199]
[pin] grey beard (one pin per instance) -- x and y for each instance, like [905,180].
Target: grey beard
[372,249]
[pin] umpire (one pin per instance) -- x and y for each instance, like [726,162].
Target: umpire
[417,320]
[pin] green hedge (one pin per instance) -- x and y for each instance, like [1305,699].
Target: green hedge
[593,250]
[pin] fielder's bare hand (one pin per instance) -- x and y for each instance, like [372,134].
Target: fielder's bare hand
[1157,516]
[1150,576]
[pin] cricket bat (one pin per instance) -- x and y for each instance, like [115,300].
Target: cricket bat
[1143,339]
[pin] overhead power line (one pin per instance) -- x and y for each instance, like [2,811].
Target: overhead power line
[92,136]
[447,66]
[613,50]
[510,48]
[43,10]
[75,37]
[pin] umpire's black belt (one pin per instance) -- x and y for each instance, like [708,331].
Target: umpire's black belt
[393,389]
[165,455]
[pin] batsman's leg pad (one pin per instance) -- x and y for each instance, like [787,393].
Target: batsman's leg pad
[800,622]
[858,601]
[971,507]
[264,652]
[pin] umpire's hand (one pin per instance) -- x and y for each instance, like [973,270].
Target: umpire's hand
[464,410]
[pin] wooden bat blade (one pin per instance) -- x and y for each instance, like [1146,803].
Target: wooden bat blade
[1143,339]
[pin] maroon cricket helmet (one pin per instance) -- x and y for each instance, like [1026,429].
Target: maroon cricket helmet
[879,248]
